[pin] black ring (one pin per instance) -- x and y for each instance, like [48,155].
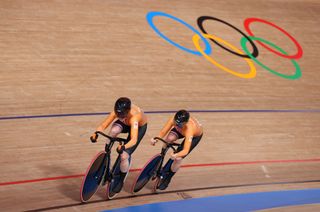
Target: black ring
[255,52]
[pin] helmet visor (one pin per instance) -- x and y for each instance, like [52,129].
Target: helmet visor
[179,123]
[121,114]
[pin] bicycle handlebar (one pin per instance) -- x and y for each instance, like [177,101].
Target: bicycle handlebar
[170,145]
[120,140]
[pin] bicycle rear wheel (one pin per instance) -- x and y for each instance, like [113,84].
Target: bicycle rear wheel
[147,172]
[93,176]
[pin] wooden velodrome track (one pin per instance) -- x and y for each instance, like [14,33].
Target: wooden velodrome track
[75,57]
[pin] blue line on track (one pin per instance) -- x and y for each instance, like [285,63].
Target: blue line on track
[158,112]
[233,203]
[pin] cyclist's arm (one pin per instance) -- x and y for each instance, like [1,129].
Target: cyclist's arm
[134,122]
[112,116]
[186,146]
[166,128]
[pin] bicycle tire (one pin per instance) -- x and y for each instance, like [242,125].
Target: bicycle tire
[147,172]
[93,176]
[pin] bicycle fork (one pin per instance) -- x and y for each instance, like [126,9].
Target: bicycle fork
[159,168]
[107,175]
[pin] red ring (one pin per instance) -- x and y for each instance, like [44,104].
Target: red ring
[298,55]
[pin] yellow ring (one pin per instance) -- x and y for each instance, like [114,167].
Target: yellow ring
[252,72]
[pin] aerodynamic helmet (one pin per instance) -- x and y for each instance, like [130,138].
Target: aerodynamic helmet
[181,117]
[122,107]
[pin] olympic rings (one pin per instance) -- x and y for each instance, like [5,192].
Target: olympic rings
[150,17]
[200,21]
[298,55]
[292,77]
[232,49]
[252,72]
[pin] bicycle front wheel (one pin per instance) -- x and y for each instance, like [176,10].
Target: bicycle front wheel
[148,171]
[93,176]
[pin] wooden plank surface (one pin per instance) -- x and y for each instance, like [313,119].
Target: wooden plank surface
[73,57]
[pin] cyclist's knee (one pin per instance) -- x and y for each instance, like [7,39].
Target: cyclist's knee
[124,156]
[178,159]
[171,138]
[176,165]
[115,130]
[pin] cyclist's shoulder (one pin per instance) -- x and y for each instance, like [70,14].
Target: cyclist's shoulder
[193,126]
[136,114]
[195,122]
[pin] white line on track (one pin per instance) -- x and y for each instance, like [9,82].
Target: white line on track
[265,171]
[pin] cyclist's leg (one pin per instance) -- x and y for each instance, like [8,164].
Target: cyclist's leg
[141,132]
[125,156]
[166,175]
[124,162]
[178,161]
[124,166]
[176,164]
[172,136]
[167,171]
[116,128]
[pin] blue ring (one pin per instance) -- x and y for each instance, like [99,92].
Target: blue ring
[151,15]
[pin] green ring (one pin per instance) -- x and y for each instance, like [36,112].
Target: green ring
[297,75]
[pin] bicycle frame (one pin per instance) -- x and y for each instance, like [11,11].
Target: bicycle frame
[153,167]
[99,174]
[164,152]
[107,176]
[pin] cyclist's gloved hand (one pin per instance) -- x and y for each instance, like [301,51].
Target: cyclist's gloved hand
[153,141]
[93,138]
[120,149]
[173,156]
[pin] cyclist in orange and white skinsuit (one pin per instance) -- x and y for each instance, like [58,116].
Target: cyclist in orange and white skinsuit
[130,119]
[179,126]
